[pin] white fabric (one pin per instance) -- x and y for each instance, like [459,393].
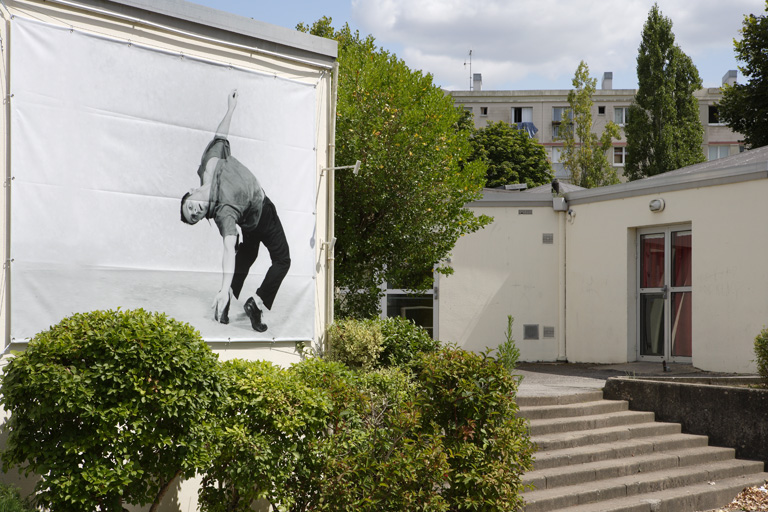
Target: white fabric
[106,137]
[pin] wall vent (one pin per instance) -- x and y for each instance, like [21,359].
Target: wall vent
[531,332]
[548,238]
[525,212]
[549,332]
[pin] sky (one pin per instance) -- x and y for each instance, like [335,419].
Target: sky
[522,44]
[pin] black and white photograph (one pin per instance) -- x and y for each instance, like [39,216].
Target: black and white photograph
[155,180]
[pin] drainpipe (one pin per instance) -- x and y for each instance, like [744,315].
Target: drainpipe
[562,353]
[331,198]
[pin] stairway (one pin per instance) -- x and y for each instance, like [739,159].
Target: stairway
[596,455]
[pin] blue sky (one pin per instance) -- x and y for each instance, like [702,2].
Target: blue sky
[522,44]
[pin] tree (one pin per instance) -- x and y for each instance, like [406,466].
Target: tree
[584,153]
[744,107]
[510,156]
[401,216]
[663,129]
[110,407]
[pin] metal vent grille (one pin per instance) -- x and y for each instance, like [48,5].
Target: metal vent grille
[525,212]
[548,238]
[549,332]
[531,332]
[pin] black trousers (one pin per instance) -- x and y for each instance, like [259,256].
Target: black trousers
[270,233]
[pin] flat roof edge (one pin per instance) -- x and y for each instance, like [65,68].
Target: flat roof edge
[661,183]
[493,199]
[292,42]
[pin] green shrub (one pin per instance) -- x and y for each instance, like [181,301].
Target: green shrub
[110,407]
[10,500]
[404,341]
[356,343]
[761,352]
[507,353]
[471,399]
[270,422]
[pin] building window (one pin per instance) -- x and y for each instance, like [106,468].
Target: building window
[716,152]
[601,110]
[522,115]
[619,156]
[620,115]
[483,111]
[558,114]
[468,109]
[714,115]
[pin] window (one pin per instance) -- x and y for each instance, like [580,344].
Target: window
[620,115]
[714,115]
[619,156]
[522,115]
[559,112]
[468,109]
[601,110]
[556,155]
[483,111]
[716,152]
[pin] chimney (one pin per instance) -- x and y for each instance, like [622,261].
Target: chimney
[477,82]
[730,77]
[607,81]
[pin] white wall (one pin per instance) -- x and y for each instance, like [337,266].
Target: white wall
[504,269]
[730,277]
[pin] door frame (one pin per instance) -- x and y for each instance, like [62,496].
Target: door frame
[667,289]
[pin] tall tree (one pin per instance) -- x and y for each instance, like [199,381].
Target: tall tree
[511,156]
[744,107]
[401,216]
[584,153]
[663,129]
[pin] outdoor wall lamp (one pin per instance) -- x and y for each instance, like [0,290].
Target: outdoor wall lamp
[656,205]
[355,168]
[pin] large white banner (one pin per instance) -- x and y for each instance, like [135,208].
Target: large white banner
[106,137]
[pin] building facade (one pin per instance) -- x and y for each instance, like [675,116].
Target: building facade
[543,109]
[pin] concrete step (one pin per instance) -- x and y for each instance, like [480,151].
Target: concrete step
[573,398]
[563,440]
[638,484]
[616,450]
[573,410]
[597,421]
[702,496]
[614,468]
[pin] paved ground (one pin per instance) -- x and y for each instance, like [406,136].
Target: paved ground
[546,379]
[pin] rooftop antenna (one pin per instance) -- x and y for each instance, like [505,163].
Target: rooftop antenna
[469,62]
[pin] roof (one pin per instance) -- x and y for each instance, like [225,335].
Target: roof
[747,166]
[213,23]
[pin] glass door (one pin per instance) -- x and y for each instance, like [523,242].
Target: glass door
[664,294]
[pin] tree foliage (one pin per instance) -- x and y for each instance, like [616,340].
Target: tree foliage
[584,153]
[510,156]
[110,407]
[663,128]
[403,213]
[744,107]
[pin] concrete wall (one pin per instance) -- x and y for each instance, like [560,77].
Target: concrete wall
[506,269]
[585,283]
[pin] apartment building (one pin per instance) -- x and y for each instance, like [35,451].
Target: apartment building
[540,111]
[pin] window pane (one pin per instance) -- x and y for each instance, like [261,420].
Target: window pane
[681,258]
[527,114]
[652,261]
[652,324]
[417,308]
[681,324]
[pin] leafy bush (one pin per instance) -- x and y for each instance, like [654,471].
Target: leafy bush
[109,407]
[10,500]
[356,343]
[471,399]
[761,351]
[404,341]
[269,422]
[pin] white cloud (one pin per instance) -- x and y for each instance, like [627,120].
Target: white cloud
[519,43]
